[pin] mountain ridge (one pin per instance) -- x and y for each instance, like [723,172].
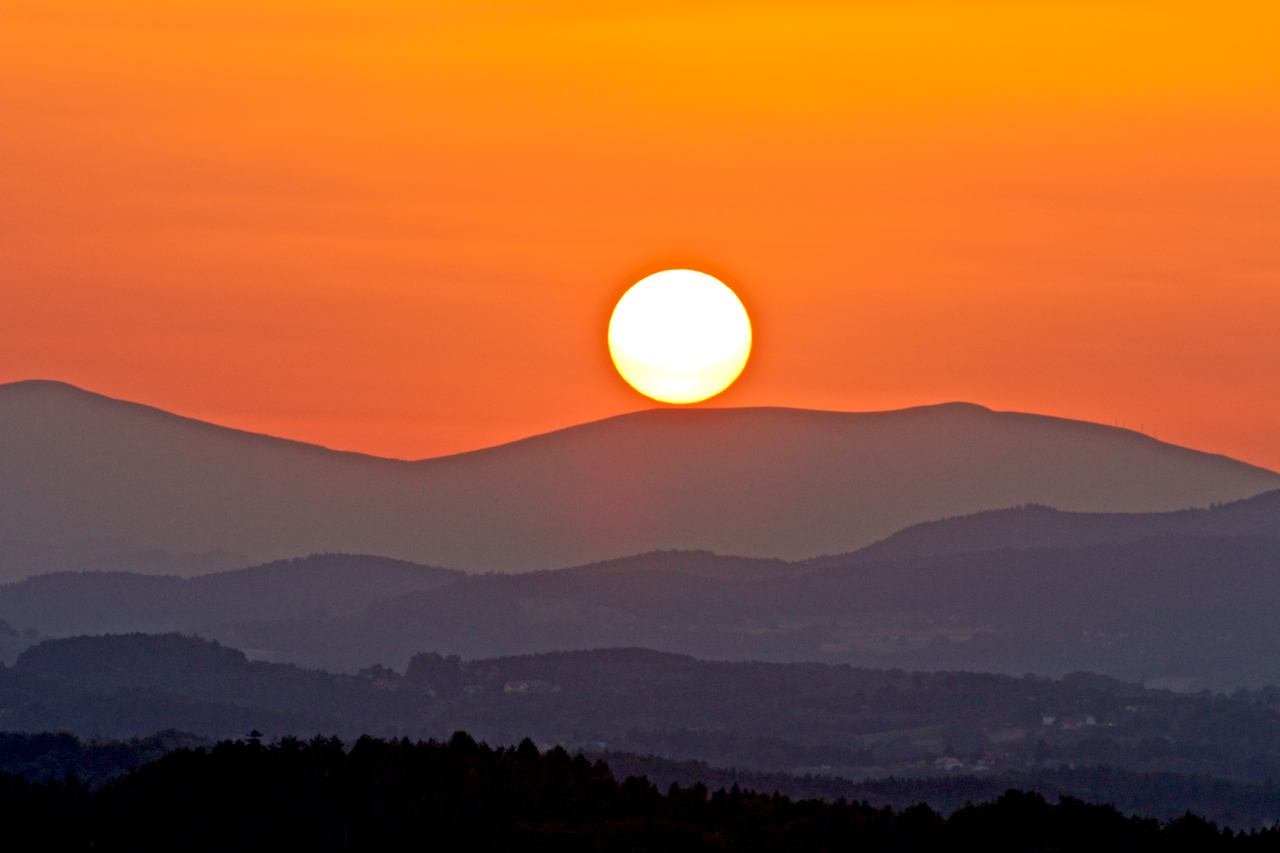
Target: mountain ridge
[1184,611]
[761,483]
[1036,526]
[63,603]
[1170,596]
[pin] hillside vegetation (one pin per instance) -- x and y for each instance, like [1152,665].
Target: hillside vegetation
[815,718]
[459,795]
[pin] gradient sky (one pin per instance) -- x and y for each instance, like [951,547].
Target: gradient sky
[400,227]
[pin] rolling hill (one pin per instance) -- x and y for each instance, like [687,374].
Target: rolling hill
[1035,526]
[1185,599]
[770,717]
[78,468]
[319,586]
[1187,612]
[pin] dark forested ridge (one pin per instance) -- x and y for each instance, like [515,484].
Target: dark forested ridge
[391,795]
[44,756]
[50,756]
[1162,795]
[798,718]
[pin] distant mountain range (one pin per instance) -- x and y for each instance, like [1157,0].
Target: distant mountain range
[78,470]
[332,585]
[1035,526]
[1185,599]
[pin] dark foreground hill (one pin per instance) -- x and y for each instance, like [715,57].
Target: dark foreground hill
[48,756]
[461,795]
[44,756]
[1163,795]
[78,468]
[769,717]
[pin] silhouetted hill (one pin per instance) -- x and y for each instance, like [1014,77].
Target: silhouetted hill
[789,483]
[1193,611]
[1036,526]
[1185,611]
[384,795]
[123,685]
[24,558]
[1163,795]
[54,756]
[840,720]
[104,602]
[697,564]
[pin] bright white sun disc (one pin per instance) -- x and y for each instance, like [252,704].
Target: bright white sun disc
[679,336]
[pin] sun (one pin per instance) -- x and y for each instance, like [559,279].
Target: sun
[679,336]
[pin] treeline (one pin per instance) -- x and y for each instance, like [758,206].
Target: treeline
[56,755]
[1230,802]
[459,795]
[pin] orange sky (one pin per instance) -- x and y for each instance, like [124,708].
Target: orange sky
[399,227]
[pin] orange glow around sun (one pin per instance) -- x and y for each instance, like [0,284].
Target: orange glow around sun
[401,227]
[679,336]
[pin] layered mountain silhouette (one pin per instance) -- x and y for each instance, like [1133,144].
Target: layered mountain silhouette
[756,715]
[1186,612]
[1035,526]
[320,586]
[1185,599]
[78,468]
